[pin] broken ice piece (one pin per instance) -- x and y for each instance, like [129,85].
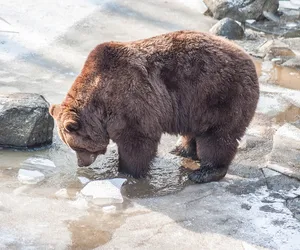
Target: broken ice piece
[250,21]
[62,193]
[109,209]
[30,176]
[39,162]
[104,192]
[83,180]
[79,203]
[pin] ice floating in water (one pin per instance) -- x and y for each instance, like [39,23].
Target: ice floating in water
[30,176]
[104,192]
[40,163]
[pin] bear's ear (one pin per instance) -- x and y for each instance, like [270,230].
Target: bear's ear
[71,125]
[54,110]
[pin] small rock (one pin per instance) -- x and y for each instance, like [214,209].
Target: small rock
[228,28]
[30,176]
[25,121]
[269,209]
[104,192]
[281,54]
[293,63]
[241,10]
[109,209]
[246,206]
[62,193]
[275,49]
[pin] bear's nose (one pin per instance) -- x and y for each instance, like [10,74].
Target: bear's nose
[85,159]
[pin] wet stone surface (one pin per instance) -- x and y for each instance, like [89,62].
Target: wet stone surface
[253,207]
[294,206]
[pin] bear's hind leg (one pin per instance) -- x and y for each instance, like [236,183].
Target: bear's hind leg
[187,148]
[216,155]
[135,156]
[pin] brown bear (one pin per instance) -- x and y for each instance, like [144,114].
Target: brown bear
[187,83]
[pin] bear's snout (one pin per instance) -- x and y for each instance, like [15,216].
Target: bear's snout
[85,159]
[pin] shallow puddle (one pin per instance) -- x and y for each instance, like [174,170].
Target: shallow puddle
[292,114]
[87,232]
[168,173]
[283,76]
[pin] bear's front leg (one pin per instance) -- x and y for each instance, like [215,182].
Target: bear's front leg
[135,156]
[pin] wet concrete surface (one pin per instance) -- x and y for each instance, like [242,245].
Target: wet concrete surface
[251,208]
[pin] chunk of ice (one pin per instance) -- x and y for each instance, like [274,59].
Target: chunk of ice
[79,203]
[104,192]
[39,163]
[109,209]
[30,176]
[83,180]
[62,193]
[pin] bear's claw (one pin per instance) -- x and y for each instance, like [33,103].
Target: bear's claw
[207,174]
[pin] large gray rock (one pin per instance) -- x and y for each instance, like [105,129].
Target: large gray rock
[25,121]
[228,28]
[241,10]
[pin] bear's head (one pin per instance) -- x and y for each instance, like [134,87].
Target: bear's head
[87,136]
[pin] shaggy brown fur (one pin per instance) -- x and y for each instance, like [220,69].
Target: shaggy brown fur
[194,84]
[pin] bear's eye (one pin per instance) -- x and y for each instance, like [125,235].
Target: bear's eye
[71,126]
